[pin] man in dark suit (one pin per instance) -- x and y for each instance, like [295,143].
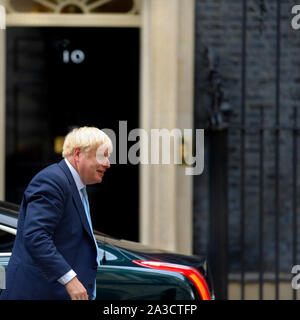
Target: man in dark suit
[55,255]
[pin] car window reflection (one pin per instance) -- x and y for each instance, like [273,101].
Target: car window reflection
[109,256]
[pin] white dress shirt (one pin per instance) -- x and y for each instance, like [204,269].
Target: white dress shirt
[79,184]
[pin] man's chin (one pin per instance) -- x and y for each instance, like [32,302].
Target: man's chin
[99,177]
[96,180]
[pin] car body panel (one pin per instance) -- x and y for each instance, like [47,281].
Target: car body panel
[131,283]
[118,277]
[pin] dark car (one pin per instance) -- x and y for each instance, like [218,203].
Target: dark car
[129,270]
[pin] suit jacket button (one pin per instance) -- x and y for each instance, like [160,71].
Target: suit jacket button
[95,266]
[90,286]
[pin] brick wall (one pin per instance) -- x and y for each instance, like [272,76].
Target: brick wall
[219,32]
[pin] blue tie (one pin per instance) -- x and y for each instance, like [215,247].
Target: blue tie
[88,215]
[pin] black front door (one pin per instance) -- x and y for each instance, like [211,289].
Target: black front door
[60,78]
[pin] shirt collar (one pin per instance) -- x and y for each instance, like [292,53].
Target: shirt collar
[76,176]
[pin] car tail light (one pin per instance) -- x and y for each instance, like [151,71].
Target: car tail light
[191,273]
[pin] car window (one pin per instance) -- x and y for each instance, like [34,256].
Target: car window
[8,218]
[6,241]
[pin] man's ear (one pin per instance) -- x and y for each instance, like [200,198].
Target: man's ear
[76,153]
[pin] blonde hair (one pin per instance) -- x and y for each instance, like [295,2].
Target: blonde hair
[85,138]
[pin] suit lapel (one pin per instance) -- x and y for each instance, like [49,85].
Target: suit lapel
[76,197]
